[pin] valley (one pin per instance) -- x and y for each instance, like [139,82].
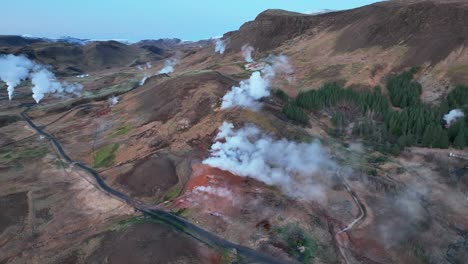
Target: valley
[337,137]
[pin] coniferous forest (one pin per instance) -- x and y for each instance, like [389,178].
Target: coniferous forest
[390,121]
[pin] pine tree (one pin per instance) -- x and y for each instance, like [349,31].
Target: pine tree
[295,113]
[460,140]
[443,140]
[428,137]
[453,131]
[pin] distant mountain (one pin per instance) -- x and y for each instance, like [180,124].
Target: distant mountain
[72,40]
[72,56]
[17,41]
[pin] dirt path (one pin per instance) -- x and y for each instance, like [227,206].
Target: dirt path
[341,236]
[362,209]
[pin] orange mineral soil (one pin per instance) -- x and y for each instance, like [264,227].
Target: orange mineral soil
[215,191]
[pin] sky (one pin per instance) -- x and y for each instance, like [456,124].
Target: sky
[135,20]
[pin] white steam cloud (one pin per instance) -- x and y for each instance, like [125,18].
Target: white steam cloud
[406,215]
[220,46]
[453,116]
[294,167]
[247,93]
[247,53]
[168,66]
[143,80]
[45,82]
[278,64]
[257,86]
[114,100]
[15,69]
[218,191]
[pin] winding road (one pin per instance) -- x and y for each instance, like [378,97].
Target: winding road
[162,216]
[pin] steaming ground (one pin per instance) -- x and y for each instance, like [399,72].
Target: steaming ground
[251,91]
[168,66]
[220,46]
[453,116]
[15,69]
[247,53]
[296,168]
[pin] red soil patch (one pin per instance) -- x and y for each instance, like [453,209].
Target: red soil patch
[216,192]
[204,175]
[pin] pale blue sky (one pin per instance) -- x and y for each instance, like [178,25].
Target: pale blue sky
[144,19]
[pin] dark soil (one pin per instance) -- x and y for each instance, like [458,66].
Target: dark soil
[13,210]
[146,243]
[150,177]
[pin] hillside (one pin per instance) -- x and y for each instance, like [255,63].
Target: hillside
[365,44]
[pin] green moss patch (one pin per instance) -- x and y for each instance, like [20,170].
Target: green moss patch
[126,223]
[105,156]
[171,194]
[21,154]
[120,131]
[300,245]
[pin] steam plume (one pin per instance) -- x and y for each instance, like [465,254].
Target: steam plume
[168,66]
[247,93]
[15,69]
[114,100]
[143,80]
[218,191]
[453,116]
[278,64]
[257,86]
[247,53]
[408,215]
[220,46]
[294,167]
[45,82]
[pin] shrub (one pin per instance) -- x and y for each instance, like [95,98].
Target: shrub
[281,95]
